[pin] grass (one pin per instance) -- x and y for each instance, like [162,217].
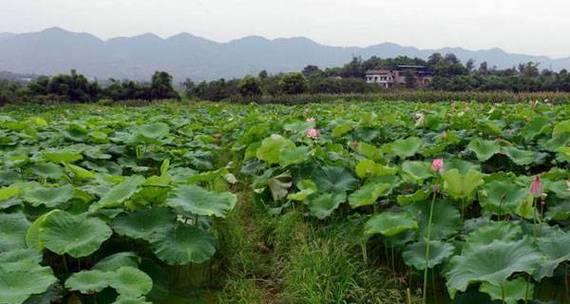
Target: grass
[290,259]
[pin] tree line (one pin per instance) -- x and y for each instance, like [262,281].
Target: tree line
[450,74]
[75,87]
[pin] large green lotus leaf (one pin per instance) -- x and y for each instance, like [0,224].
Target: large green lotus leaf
[323,205]
[556,250]
[416,197]
[22,260]
[462,186]
[562,127]
[54,294]
[415,254]
[367,168]
[18,256]
[119,193]
[335,179]
[198,201]
[47,170]
[390,224]
[293,156]
[280,185]
[130,282]
[51,197]
[510,292]
[13,229]
[462,165]
[560,188]
[118,260]
[88,282]
[446,219]
[502,197]
[62,156]
[9,192]
[368,194]
[537,126]
[492,231]
[484,149]
[150,133]
[76,235]
[559,212]
[144,224]
[520,157]
[183,245]
[17,286]
[369,151]
[127,281]
[306,187]
[405,148]
[33,233]
[270,149]
[79,172]
[492,263]
[417,171]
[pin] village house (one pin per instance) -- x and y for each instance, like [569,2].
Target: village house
[397,76]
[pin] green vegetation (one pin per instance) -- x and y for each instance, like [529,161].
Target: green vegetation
[384,202]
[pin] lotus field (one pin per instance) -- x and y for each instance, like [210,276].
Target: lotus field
[466,202]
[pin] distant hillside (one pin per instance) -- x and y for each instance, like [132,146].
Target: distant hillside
[57,51]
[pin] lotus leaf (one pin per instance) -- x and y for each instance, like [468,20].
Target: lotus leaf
[183,245]
[51,197]
[145,224]
[415,254]
[324,205]
[198,201]
[76,235]
[119,193]
[390,224]
[484,149]
[13,229]
[491,263]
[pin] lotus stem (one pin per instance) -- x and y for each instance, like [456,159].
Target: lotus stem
[409,295]
[427,240]
[65,264]
[364,253]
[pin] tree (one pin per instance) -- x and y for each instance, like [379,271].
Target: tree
[263,74]
[188,85]
[484,68]
[353,69]
[312,71]
[161,86]
[250,87]
[293,83]
[470,65]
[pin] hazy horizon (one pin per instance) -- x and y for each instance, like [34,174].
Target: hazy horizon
[516,26]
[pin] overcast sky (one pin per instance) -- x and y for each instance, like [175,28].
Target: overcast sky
[525,26]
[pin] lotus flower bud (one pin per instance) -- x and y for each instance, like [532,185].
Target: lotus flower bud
[313,133]
[437,165]
[536,187]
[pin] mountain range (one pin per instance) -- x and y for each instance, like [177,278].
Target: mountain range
[56,50]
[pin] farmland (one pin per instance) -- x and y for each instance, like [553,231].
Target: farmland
[384,202]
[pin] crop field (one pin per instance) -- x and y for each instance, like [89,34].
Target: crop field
[385,202]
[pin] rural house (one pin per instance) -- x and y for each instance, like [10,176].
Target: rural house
[397,76]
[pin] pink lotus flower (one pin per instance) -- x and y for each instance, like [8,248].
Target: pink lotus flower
[311,119]
[536,187]
[437,165]
[313,133]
